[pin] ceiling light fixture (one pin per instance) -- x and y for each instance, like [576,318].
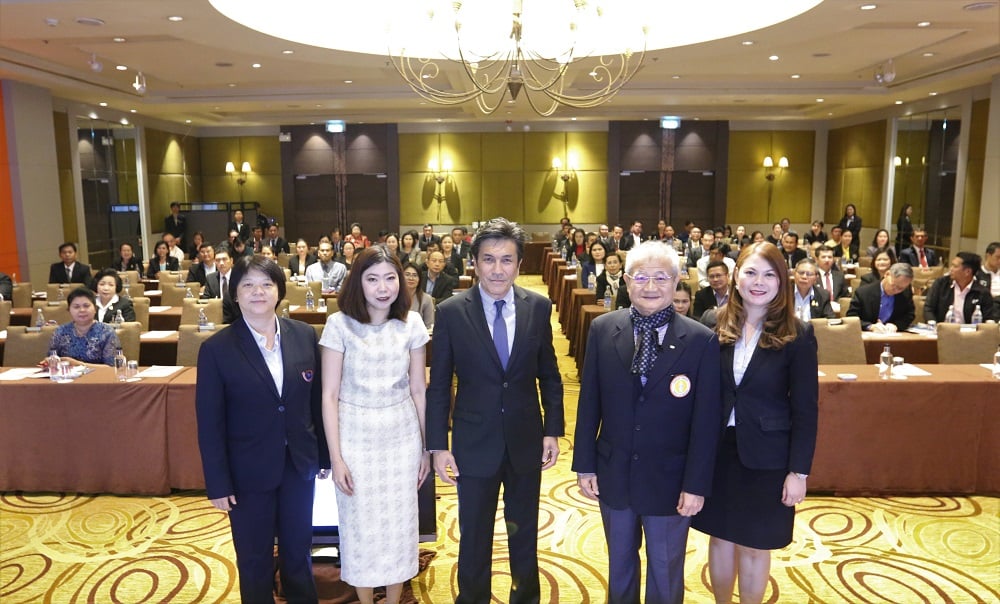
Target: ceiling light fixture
[485,52]
[95,65]
[795,76]
[885,73]
[868,6]
[121,67]
[820,100]
[175,18]
[103,104]
[773,58]
[288,52]
[256,66]
[927,54]
[924,24]
[747,42]
[118,39]
[899,102]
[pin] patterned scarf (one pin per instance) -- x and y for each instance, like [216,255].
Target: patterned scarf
[649,346]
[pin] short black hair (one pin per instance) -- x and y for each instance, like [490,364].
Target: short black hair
[499,228]
[81,292]
[716,263]
[265,265]
[67,244]
[108,272]
[992,248]
[174,204]
[971,261]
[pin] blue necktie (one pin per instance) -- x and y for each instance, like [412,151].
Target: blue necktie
[500,334]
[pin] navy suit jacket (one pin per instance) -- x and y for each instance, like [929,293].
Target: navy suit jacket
[776,405]
[81,273]
[866,301]
[230,311]
[244,423]
[647,444]
[910,256]
[494,410]
[941,295]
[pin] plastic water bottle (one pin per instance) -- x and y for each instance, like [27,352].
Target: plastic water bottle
[885,364]
[61,295]
[40,320]
[121,365]
[126,294]
[202,318]
[562,254]
[591,282]
[977,316]
[607,299]
[996,364]
[188,293]
[555,245]
[180,278]
[53,362]
[310,300]
[126,282]
[118,320]
[322,304]
[949,317]
[284,313]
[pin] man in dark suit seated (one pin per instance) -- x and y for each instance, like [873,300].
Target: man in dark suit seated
[960,289]
[989,275]
[886,306]
[277,244]
[790,250]
[830,277]
[217,285]
[647,427]
[917,254]
[633,238]
[811,301]
[199,272]
[176,224]
[242,229]
[69,270]
[440,285]
[460,235]
[6,287]
[717,292]
[428,237]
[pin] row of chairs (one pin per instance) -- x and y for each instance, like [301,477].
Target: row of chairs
[840,343]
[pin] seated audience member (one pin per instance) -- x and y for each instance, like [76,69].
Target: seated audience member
[256,241]
[682,299]
[716,253]
[439,284]
[277,244]
[790,250]
[420,301]
[918,254]
[331,274]
[217,285]
[68,270]
[409,249]
[460,235]
[706,241]
[717,292]
[454,265]
[6,287]
[576,246]
[126,260]
[776,234]
[347,257]
[816,234]
[886,306]
[199,272]
[959,289]
[989,275]
[428,237]
[108,286]
[240,248]
[881,261]
[830,277]
[836,232]
[562,236]
[194,249]
[297,264]
[617,237]
[879,241]
[610,281]
[174,250]
[267,252]
[811,301]
[786,225]
[594,264]
[161,260]
[633,238]
[359,239]
[84,339]
[847,251]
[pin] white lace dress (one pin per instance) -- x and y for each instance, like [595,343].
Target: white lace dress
[380,443]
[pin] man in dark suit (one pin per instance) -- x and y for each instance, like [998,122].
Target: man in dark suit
[176,224]
[886,306]
[633,238]
[829,277]
[199,272]
[440,285]
[497,338]
[811,301]
[917,254]
[428,237]
[790,250]
[647,427]
[217,285]
[260,432]
[960,282]
[276,243]
[717,292]
[989,274]
[6,287]
[69,270]
[242,229]
[460,235]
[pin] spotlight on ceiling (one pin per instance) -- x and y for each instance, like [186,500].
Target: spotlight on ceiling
[95,65]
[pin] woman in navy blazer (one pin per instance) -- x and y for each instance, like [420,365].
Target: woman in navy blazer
[260,432]
[769,394]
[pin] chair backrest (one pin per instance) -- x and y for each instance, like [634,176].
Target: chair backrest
[918,308]
[855,283]
[128,336]
[864,261]
[282,260]
[135,289]
[21,296]
[319,329]
[185,264]
[212,308]
[839,341]
[173,294]
[189,341]
[928,274]
[959,344]
[133,276]
[170,277]
[5,307]
[141,305]
[26,348]
[861,270]
[52,290]
[296,294]
[288,272]
[54,311]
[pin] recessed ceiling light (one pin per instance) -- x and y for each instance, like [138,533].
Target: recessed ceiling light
[820,100]
[121,67]
[348,81]
[123,121]
[747,42]
[773,58]
[118,39]
[256,66]
[175,18]
[830,114]
[899,102]
[231,85]
[92,115]
[439,119]
[318,106]
[572,119]
[928,54]
[795,76]
[676,77]
[132,111]
[924,24]
[868,6]
[187,121]
[288,52]
[103,104]
[933,94]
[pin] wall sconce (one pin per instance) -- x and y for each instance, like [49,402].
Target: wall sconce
[769,166]
[440,173]
[570,171]
[242,178]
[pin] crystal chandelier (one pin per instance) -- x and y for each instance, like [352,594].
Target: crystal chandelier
[488,77]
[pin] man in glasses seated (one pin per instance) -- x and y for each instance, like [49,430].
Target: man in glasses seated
[811,302]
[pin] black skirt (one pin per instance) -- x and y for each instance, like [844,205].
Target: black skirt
[745,505]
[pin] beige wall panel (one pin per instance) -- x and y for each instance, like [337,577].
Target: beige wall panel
[975,168]
[416,150]
[464,150]
[590,148]
[747,197]
[503,151]
[541,147]
[503,195]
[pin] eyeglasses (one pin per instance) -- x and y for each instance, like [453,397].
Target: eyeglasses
[659,279]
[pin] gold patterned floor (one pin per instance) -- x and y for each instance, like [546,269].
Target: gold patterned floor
[80,548]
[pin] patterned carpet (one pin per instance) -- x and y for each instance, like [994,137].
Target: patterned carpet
[80,548]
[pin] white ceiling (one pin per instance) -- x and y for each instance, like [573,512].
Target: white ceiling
[835,48]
